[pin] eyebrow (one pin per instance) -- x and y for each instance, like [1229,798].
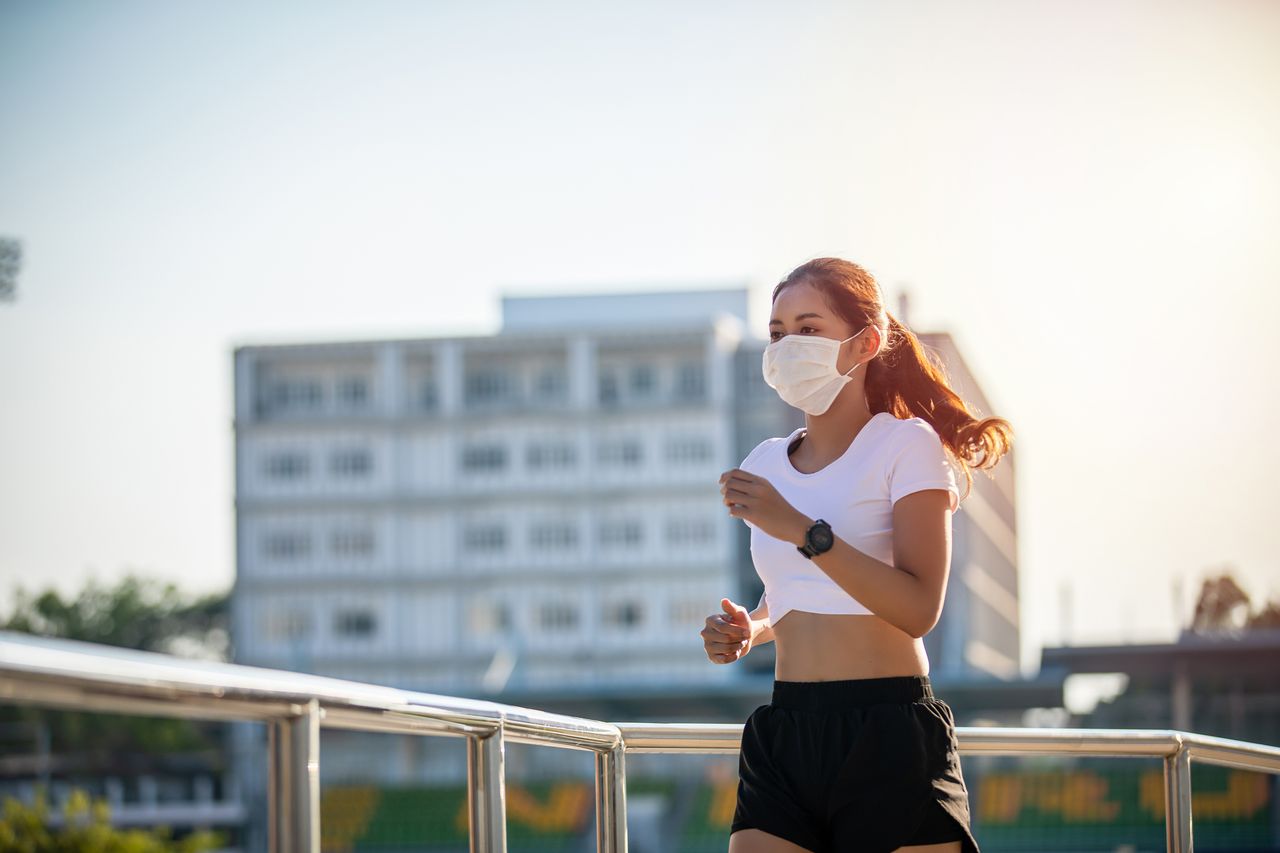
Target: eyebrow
[799,317]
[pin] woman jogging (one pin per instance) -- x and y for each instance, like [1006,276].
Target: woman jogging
[850,520]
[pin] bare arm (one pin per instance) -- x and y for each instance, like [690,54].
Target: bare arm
[909,593]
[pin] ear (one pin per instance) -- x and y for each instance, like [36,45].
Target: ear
[872,343]
[867,342]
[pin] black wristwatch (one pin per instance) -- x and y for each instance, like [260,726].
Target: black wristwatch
[818,539]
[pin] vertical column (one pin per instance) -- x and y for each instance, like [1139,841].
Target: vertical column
[293,809]
[486,793]
[1177,800]
[611,800]
[245,390]
[448,365]
[393,403]
[582,373]
[722,343]
[245,387]
[391,379]
[449,368]
[583,359]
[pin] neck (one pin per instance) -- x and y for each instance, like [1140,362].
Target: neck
[833,430]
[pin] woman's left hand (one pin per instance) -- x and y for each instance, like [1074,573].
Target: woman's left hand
[753,498]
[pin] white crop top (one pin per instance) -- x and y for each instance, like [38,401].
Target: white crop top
[888,459]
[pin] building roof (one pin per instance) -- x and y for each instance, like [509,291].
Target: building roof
[1244,653]
[572,313]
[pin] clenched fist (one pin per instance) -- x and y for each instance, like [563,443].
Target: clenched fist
[728,636]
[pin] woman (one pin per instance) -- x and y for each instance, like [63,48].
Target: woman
[850,521]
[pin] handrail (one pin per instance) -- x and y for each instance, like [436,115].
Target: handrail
[94,677]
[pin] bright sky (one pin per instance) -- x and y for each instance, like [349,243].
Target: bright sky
[1087,196]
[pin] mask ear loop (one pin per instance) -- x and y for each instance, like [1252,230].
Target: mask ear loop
[845,341]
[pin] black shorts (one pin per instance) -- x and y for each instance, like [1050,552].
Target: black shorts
[866,764]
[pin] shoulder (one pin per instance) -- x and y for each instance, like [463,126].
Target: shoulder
[915,433]
[762,449]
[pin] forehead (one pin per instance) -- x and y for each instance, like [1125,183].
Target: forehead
[800,302]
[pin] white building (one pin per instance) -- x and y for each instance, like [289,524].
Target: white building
[425,512]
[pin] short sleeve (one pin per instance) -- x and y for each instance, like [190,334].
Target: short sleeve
[921,463]
[751,458]
[755,452]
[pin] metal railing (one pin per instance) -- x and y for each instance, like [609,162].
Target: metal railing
[91,677]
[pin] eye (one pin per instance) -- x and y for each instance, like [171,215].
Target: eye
[773,336]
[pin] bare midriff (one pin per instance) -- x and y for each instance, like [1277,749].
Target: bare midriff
[837,646]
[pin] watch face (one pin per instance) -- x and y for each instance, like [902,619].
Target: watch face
[821,537]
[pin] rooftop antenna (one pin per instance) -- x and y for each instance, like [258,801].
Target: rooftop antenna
[1178,613]
[1064,610]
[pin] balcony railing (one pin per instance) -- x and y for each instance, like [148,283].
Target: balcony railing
[91,677]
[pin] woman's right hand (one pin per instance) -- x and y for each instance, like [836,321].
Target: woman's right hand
[727,636]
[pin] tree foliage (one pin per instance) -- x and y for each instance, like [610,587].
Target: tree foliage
[86,828]
[1224,606]
[135,613]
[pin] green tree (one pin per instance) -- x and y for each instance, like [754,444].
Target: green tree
[86,828]
[135,613]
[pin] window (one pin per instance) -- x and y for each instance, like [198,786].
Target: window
[488,385]
[485,537]
[643,380]
[287,465]
[685,611]
[287,625]
[554,536]
[624,614]
[608,388]
[296,394]
[428,396]
[681,451]
[286,545]
[690,381]
[352,542]
[615,534]
[355,623]
[555,616]
[751,378]
[353,392]
[626,452]
[539,456]
[489,457]
[551,384]
[487,617]
[690,531]
[351,463]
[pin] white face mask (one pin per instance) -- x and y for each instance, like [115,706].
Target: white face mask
[802,369]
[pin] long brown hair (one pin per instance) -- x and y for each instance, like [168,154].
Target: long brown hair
[905,379]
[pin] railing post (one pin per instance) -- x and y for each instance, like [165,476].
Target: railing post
[1177,800]
[293,785]
[487,793]
[611,800]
